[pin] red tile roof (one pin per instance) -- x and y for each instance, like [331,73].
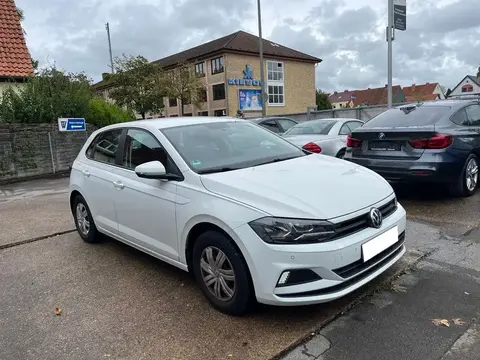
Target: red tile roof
[426,97]
[15,59]
[341,96]
[377,96]
[419,90]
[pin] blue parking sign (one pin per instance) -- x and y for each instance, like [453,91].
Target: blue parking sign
[72,124]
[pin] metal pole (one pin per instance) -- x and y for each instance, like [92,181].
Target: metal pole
[107,26]
[51,151]
[262,70]
[390,56]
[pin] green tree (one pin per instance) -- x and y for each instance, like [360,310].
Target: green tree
[137,84]
[184,83]
[478,72]
[51,94]
[102,113]
[321,100]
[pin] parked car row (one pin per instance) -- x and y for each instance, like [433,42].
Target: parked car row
[435,142]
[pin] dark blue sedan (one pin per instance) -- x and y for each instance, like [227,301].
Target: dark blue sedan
[435,141]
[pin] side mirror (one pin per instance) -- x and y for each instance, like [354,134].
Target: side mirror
[151,170]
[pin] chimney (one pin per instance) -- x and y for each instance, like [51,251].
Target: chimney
[369,89]
[335,92]
[386,85]
[345,90]
[428,83]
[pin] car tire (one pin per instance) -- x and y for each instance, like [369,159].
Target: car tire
[231,275]
[461,187]
[341,154]
[84,221]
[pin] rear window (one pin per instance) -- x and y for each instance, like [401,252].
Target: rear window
[409,116]
[318,127]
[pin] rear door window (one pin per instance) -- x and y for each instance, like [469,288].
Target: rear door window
[286,124]
[271,125]
[460,118]
[105,146]
[473,114]
[408,116]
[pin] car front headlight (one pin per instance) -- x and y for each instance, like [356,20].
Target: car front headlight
[274,230]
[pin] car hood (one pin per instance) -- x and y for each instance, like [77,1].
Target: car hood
[313,186]
[301,140]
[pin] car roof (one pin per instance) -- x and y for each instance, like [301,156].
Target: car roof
[169,122]
[341,120]
[452,103]
[270,118]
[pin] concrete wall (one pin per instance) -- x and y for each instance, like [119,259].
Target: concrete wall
[362,113]
[25,150]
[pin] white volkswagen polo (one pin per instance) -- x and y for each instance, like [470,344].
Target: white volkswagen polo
[252,216]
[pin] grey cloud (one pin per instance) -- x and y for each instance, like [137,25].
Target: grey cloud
[77,38]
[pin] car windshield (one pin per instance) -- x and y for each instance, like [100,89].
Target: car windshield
[408,116]
[317,127]
[223,146]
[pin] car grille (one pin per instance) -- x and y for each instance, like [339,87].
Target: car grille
[359,223]
[359,266]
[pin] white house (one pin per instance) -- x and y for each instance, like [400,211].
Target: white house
[467,88]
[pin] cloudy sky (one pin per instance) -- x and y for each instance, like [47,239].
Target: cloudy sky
[442,41]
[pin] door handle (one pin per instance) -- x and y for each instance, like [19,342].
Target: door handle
[85,173]
[118,184]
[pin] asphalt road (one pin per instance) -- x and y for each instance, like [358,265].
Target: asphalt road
[121,304]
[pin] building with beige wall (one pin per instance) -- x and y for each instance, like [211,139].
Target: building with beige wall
[229,67]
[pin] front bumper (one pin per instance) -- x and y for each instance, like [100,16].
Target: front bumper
[338,263]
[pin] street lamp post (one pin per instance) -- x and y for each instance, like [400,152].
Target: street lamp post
[262,70]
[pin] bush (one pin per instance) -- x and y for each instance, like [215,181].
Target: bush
[102,113]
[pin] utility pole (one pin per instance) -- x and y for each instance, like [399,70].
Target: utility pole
[390,38]
[107,26]
[262,70]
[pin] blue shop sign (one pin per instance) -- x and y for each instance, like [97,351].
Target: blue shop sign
[247,78]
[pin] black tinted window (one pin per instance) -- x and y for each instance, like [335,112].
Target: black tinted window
[271,125]
[473,114]
[409,116]
[142,147]
[460,118]
[104,147]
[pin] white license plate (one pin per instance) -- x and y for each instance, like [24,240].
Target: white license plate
[381,242]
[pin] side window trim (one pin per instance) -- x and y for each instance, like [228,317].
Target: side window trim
[124,136]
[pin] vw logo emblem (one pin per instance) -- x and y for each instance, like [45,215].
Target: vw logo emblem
[375,218]
[381,136]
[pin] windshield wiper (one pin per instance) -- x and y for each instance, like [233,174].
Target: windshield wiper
[217,170]
[277,160]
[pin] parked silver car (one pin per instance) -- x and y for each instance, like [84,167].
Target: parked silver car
[326,136]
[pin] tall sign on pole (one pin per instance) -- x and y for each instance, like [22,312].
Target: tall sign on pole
[397,19]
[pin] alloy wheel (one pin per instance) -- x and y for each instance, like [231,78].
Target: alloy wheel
[83,219]
[471,174]
[217,273]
